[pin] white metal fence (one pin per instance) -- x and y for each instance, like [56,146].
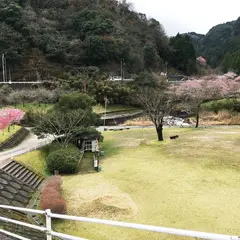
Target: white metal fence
[50,233]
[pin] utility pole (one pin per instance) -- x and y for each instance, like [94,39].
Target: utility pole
[10,77]
[5,70]
[122,70]
[85,86]
[3,66]
[106,102]
[166,70]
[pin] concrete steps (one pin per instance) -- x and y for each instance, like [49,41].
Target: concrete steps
[23,174]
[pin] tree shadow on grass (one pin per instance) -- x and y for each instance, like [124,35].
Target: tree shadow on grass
[109,148]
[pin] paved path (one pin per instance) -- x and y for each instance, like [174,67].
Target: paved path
[29,144]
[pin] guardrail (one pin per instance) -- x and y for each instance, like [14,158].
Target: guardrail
[50,233]
[12,82]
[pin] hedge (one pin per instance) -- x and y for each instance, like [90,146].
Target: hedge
[51,196]
[64,160]
[231,104]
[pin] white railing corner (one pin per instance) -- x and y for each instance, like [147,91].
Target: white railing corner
[50,233]
[48,224]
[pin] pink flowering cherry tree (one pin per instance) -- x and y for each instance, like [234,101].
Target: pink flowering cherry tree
[10,116]
[195,92]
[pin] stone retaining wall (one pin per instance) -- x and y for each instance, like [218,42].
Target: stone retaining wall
[14,140]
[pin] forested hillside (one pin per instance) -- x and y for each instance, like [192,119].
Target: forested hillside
[46,38]
[220,46]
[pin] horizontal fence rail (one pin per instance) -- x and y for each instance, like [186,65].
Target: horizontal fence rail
[50,233]
[12,82]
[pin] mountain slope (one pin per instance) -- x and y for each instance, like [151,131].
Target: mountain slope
[220,40]
[45,37]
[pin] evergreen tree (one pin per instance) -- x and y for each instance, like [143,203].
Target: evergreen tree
[183,55]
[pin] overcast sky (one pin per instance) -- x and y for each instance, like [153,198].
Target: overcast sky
[189,15]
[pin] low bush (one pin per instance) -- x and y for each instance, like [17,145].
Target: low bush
[231,104]
[50,148]
[54,182]
[64,160]
[51,196]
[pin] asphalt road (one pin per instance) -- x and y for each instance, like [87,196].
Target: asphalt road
[29,144]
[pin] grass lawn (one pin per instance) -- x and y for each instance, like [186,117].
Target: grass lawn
[86,165]
[5,134]
[114,107]
[221,104]
[34,161]
[28,106]
[98,108]
[190,183]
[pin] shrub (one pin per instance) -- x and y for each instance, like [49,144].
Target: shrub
[64,160]
[232,105]
[51,196]
[54,182]
[53,200]
[50,148]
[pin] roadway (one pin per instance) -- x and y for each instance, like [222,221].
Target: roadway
[30,144]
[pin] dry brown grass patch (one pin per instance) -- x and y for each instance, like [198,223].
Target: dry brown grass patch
[100,200]
[221,118]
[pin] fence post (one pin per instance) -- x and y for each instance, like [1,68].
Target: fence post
[48,224]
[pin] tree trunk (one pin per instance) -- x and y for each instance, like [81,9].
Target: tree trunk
[198,115]
[197,122]
[159,130]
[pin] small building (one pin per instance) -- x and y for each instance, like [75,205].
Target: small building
[88,141]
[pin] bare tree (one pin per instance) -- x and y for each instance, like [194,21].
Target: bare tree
[72,115]
[157,103]
[62,126]
[42,95]
[4,93]
[14,98]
